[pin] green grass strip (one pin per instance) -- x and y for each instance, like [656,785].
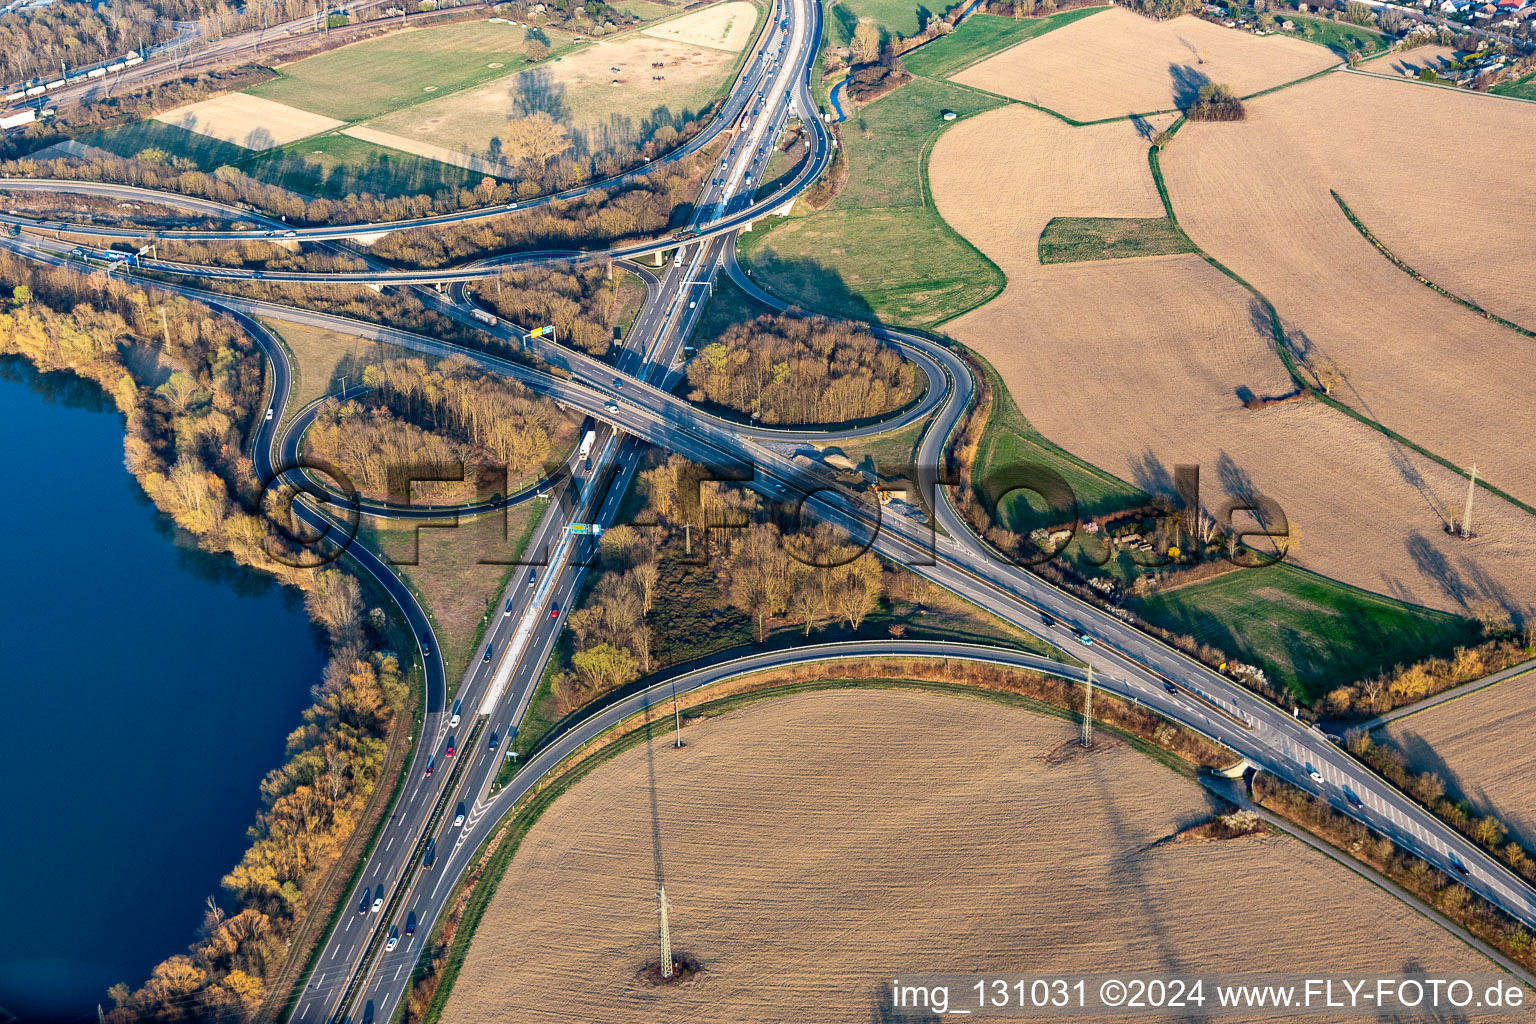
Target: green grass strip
[1365,233]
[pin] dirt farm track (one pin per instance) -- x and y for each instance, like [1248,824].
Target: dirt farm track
[813,845]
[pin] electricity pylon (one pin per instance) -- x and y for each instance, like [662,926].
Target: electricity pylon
[1466,515]
[1088,711]
[666,934]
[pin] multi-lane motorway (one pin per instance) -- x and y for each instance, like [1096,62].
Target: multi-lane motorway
[360,973]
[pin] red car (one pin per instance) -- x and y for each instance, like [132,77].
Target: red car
[428,773]
[554,611]
[449,751]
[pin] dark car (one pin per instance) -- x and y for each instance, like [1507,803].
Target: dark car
[1047,619]
[362,908]
[410,924]
[494,740]
[490,649]
[1170,687]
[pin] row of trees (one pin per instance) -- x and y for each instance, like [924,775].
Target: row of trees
[540,150]
[255,252]
[641,207]
[802,369]
[1418,876]
[582,300]
[1428,788]
[38,43]
[1405,684]
[187,444]
[449,414]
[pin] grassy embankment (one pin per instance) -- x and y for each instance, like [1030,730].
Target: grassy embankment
[1523,88]
[880,251]
[1307,632]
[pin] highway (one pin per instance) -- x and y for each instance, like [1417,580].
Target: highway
[356,977]
[752,80]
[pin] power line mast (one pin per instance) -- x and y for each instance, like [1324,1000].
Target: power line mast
[1466,515]
[1087,739]
[666,934]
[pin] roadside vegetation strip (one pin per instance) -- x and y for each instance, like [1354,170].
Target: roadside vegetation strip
[1286,353]
[1429,791]
[500,846]
[1392,257]
[1080,239]
[1333,852]
[1416,875]
[326,913]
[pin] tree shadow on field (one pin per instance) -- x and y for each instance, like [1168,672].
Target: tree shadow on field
[1186,84]
[882,1003]
[536,91]
[798,280]
[1149,474]
[846,19]
[1437,569]
[1428,1014]
[1144,129]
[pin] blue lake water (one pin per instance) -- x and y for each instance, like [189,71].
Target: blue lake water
[147,687]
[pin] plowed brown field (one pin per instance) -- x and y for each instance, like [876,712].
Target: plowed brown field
[1256,196]
[816,845]
[1481,745]
[1119,63]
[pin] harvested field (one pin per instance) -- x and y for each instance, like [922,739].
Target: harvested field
[1411,62]
[813,844]
[580,93]
[1140,365]
[1121,63]
[1481,746]
[726,26]
[1256,196]
[248,121]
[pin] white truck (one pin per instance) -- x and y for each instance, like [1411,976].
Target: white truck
[483,316]
[584,454]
